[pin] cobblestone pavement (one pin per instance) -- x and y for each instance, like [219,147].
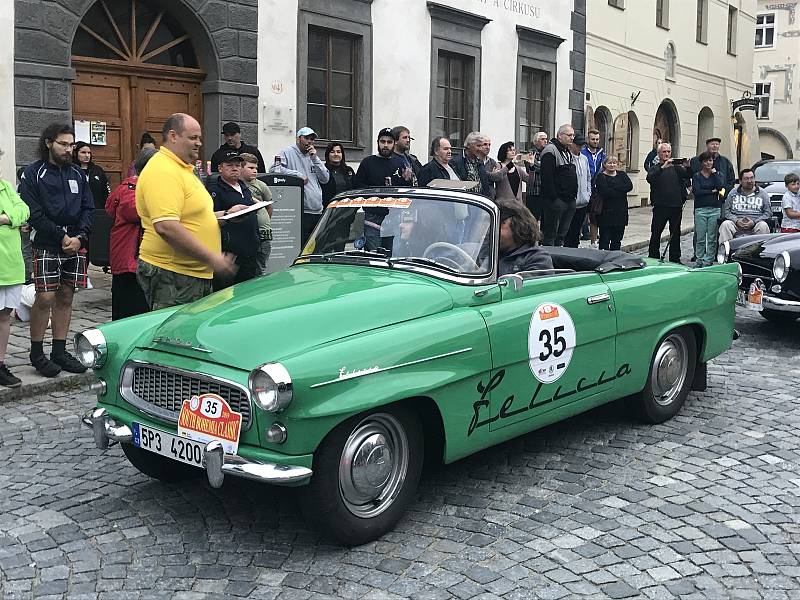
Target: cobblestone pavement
[706,505]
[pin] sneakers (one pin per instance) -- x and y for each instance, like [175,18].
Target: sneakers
[45,366]
[68,362]
[7,378]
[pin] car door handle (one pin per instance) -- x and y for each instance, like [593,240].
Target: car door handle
[598,298]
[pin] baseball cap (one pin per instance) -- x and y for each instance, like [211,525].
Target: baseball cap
[306,132]
[231,156]
[579,139]
[385,132]
[231,127]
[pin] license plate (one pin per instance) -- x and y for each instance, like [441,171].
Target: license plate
[741,298]
[749,300]
[166,444]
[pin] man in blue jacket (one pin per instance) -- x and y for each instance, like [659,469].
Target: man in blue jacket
[61,205]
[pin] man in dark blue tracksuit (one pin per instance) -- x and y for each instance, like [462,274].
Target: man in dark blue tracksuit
[61,205]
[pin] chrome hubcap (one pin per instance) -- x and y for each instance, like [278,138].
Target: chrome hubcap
[373,465]
[670,367]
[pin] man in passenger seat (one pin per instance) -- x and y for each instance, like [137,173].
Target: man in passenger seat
[519,241]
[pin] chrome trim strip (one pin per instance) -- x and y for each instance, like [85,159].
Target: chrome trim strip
[179,344]
[126,381]
[779,304]
[382,369]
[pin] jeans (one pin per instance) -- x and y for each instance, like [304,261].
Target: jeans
[308,221]
[661,216]
[573,238]
[557,218]
[705,229]
[611,237]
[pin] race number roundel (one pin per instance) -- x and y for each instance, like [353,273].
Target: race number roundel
[551,339]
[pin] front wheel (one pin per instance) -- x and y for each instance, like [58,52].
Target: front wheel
[776,316]
[366,473]
[159,467]
[670,377]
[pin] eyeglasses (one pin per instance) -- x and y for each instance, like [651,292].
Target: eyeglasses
[65,144]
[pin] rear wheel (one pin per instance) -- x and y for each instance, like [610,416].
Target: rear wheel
[158,467]
[670,377]
[366,473]
[778,317]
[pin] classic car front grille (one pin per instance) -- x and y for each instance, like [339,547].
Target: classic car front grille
[160,391]
[776,200]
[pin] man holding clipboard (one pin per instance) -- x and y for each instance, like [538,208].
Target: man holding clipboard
[239,232]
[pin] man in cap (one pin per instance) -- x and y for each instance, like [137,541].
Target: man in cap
[382,169]
[301,160]
[239,236]
[233,141]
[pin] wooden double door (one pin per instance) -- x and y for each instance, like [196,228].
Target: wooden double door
[130,105]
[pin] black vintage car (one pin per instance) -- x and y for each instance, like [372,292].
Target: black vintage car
[770,273]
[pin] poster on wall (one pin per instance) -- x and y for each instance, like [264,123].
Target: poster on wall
[98,134]
[82,131]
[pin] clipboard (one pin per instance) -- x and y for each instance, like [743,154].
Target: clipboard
[246,211]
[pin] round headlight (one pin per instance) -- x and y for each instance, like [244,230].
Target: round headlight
[780,268]
[91,349]
[271,387]
[723,252]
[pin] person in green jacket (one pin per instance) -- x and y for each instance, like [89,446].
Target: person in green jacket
[13,213]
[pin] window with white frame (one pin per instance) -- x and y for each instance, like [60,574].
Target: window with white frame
[762,94]
[765,30]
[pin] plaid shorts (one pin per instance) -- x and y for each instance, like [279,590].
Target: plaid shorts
[52,269]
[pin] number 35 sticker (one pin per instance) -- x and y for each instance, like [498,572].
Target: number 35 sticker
[551,339]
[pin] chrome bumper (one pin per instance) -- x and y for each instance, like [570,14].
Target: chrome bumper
[216,463]
[778,304]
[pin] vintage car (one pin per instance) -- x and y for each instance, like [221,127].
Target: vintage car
[342,372]
[770,273]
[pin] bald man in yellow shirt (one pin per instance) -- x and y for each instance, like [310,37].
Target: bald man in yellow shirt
[180,249]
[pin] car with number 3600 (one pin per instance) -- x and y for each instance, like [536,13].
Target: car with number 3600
[341,374]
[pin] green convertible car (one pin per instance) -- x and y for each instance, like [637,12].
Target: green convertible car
[341,373]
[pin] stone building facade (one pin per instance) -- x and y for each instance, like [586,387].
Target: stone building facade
[514,68]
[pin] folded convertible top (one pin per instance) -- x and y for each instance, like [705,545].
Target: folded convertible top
[589,259]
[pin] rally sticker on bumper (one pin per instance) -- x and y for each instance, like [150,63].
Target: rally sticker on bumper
[551,340]
[208,417]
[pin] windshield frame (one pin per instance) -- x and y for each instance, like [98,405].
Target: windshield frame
[432,194]
[775,165]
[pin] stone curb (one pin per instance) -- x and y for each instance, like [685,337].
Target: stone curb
[638,245]
[56,384]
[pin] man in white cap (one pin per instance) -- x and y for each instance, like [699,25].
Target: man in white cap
[301,160]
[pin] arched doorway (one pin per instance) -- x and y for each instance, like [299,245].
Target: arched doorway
[605,125]
[135,65]
[667,127]
[705,128]
[774,144]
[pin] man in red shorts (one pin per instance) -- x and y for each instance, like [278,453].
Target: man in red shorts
[61,207]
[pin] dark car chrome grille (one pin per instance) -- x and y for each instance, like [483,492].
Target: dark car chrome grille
[160,391]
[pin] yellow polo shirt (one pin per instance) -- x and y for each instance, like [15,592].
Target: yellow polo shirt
[168,190]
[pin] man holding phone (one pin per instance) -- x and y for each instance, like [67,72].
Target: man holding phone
[301,160]
[666,195]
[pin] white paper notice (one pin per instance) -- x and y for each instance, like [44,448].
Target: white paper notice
[82,131]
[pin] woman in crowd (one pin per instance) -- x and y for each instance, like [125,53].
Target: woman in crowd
[510,186]
[127,298]
[612,189]
[341,178]
[98,182]
[13,213]
[706,186]
[147,141]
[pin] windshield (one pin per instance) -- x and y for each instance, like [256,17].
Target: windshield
[443,234]
[776,171]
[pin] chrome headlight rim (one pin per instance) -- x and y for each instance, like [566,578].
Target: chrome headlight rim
[270,387]
[780,267]
[91,348]
[723,252]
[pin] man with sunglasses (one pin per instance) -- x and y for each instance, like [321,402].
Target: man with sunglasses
[61,205]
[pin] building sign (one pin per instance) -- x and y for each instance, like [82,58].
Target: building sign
[746,103]
[516,7]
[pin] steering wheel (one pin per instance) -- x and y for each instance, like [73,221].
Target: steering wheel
[461,258]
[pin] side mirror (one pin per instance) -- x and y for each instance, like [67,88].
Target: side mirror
[512,281]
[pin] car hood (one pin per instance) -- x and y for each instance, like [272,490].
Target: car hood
[769,247]
[281,315]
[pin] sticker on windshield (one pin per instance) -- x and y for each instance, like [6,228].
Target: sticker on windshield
[370,202]
[551,339]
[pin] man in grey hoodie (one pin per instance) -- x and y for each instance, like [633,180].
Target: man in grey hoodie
[301,160]
[747,209]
